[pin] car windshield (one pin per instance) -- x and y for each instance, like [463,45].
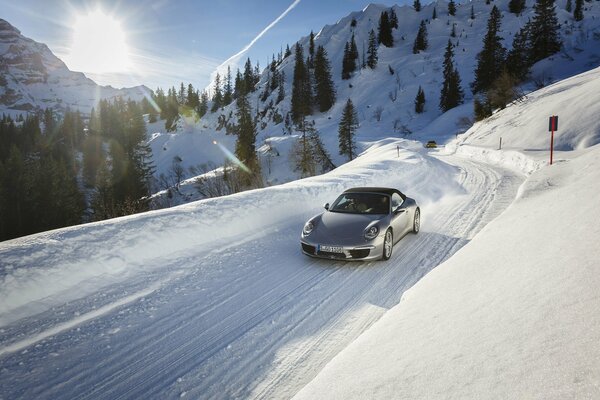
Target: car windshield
[362,203]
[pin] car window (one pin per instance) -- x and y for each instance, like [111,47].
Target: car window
[396,200]
[362,203]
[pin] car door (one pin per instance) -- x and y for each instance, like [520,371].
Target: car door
[399,217]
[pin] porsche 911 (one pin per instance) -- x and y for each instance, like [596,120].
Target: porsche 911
[361,224]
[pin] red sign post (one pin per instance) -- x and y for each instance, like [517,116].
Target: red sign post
[553,126]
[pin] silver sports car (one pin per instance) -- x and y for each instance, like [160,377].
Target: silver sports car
[361,224]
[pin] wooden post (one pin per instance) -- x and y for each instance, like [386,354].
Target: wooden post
[552,126]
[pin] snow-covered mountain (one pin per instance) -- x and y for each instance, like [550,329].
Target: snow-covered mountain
[33,78]
[385,101]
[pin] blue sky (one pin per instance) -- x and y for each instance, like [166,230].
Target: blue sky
[180,40]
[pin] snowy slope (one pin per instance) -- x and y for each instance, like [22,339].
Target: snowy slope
[33,78]
[370,90]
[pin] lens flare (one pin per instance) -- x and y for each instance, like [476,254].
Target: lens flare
[232,157]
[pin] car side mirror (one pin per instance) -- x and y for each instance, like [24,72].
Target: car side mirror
[326,206]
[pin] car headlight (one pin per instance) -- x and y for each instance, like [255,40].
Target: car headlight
[372,232]
[308,228]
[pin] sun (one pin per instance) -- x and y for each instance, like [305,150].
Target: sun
[99,44]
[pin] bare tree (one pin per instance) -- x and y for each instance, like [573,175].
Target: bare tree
[177,171]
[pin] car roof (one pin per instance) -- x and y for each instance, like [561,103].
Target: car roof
[383,190]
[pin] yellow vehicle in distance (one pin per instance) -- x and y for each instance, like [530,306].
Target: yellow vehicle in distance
[431,144]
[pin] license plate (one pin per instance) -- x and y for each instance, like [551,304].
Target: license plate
[331,249]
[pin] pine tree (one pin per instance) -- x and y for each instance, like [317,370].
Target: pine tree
[217,96]
[372,51]
[349,58]
[420,101]
[517,60]
[311,50]
[203,104]
[578,12]
[385,36]
[417,5]
[472,12]
[421,39]
[228,89]
[490,60]
[346,62]
[451,94]
[301,88]
[516,6]
[181,95]
[569,6]
[434,14]
[393,18]
[245,147]
[248,78]
[324,87]
[451,8]
[93,157]
[275,75]
[281,91]
[544,38]
[288,52]
[353,53]
[347,130]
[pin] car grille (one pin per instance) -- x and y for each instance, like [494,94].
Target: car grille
[328,254]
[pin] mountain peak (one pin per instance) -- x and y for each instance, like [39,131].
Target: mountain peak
[5,26]
[32,78]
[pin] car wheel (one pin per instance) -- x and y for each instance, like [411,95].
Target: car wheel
[388,245]
[417,221]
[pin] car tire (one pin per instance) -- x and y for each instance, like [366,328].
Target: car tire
[417,221]
[388,245]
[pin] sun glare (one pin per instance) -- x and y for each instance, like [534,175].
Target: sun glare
[99,44]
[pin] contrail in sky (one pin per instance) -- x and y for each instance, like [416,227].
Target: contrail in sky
[261,34]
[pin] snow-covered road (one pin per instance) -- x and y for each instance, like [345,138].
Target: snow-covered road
[244,317]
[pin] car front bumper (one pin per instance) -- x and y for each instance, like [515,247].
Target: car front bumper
[363,252]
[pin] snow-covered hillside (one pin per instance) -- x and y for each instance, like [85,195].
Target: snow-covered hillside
[372,90]
[32,78]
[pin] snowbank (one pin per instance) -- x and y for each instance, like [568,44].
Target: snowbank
[511,315]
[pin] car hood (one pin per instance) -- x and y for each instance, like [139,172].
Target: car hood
[343,225]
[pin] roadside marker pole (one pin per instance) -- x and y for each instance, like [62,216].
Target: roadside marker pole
[552,126]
